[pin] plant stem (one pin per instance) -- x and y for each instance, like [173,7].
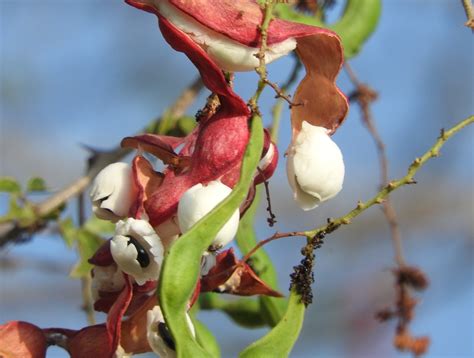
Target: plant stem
[334,224]
[261,69]
[365,96]
[10,230]
[275,236]
[394,184]
[468,8]
[278,107]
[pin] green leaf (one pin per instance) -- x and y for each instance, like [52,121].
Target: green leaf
[280,340]
[99,227]
[244,311]
[9,185]
[181,267]
[187,124]
[87,245]
[36,184]
[14,210]
[56,213]
[358,22]
[24,216]
[272,308]
[206,339]
[166,122]
[68,231]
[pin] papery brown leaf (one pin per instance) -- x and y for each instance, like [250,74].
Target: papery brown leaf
[245,282]
[226,263]
[323,103]
[236,277]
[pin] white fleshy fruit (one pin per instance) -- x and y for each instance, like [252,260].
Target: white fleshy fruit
[158,336]
[315,167]
[112,193]
[199,200]
[228,54]
[137,250]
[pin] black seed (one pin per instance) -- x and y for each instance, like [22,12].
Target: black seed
[142,256]
[164,333]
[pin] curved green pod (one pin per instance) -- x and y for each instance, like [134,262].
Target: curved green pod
[272,308]
[358,22]
[280,340]
[244,311]
[206,339]
[177,285]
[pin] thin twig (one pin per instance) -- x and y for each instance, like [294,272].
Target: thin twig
[178,109]
[365,96]
[280,93]
[86,281]
[468,8]
[87,300]
[186,98]
[278,107]
[408,179]
[55,201]
[405,275]
[275,236]
[10,230]
[262,69]
[272,218]
[379,198]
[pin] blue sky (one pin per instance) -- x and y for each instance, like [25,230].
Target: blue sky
[92,72]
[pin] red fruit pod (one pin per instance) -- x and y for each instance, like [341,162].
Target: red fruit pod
[215,33]
[269,160]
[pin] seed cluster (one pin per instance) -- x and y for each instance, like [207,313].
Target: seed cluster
[303,276]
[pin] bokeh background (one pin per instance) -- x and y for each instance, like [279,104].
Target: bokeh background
[91,72]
